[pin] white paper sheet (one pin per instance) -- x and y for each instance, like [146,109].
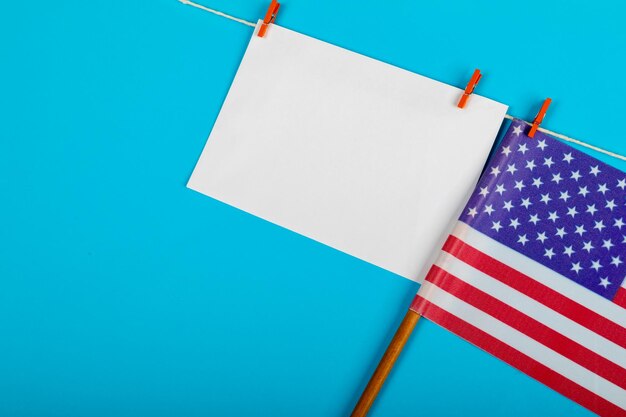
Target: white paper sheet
[357,154]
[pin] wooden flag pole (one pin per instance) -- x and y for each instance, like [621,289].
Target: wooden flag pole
[386,363]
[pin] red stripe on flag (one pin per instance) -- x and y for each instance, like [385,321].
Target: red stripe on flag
[536,290]
[529,326]
[516,359]
[620,297]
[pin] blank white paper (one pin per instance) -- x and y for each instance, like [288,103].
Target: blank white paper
[362,156]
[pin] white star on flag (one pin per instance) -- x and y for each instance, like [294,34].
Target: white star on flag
[522,239]
[588,246]
[583,191]
[595,170]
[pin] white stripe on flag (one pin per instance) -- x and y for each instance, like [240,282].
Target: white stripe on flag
[524,344]
[540,273]
[533,308]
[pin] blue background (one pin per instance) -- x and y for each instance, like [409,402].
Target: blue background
[124,293]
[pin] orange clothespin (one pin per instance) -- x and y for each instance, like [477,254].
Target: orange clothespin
[539,117]
[270,17]
[470,88]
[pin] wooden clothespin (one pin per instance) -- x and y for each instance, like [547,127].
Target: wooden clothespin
[539,117]
[270,17]
[470,88]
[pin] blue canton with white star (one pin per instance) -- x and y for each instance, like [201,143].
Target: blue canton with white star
[556,205]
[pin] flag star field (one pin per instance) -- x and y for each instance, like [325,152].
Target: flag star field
[556,205]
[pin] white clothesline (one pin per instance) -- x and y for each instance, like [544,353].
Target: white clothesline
[508,116]
[217,12]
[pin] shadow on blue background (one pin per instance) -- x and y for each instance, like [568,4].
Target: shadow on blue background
[123,293]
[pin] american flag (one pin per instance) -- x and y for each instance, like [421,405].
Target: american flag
[534,269]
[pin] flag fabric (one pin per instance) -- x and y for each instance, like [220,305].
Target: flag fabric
[533,271]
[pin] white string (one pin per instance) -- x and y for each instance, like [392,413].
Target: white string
[507,116]
[572,140]
[217,12]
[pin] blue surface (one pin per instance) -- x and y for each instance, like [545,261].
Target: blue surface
[124,293]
